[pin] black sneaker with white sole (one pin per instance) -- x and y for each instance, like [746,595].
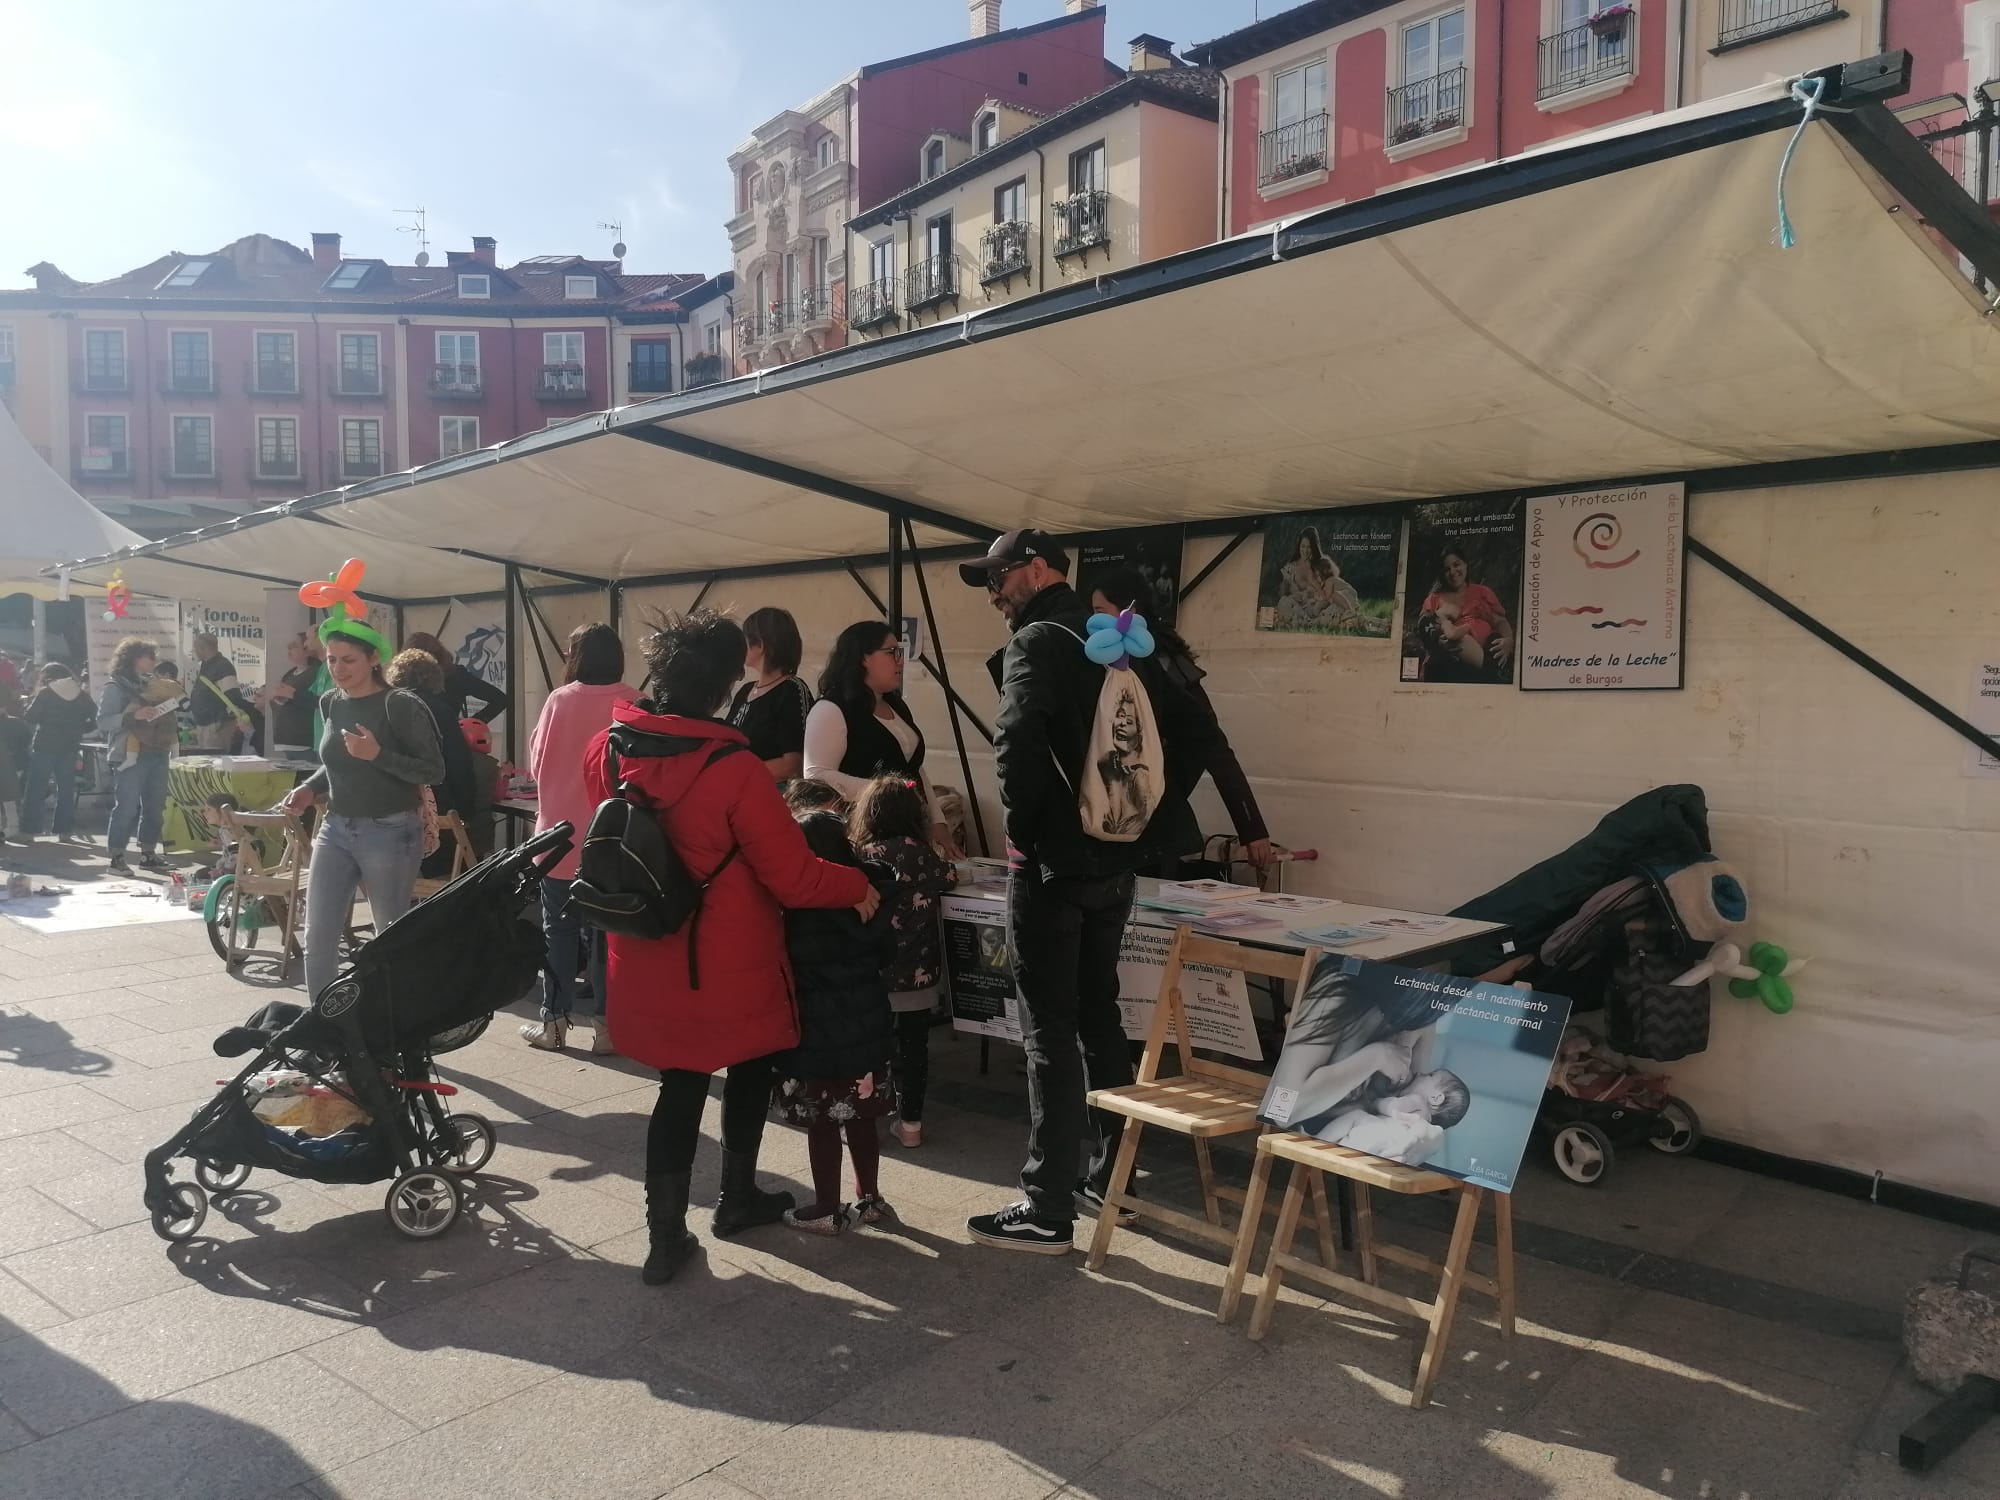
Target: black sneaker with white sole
[1019,1227]
[1090,1200]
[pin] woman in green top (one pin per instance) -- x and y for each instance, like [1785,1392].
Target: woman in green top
[378,752]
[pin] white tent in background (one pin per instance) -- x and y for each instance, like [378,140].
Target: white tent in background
[43,521]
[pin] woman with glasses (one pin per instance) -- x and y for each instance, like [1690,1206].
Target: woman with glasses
[860,728]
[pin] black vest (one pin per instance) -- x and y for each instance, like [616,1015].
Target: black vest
[871,749]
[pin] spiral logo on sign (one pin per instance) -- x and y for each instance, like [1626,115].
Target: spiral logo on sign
[1600,535]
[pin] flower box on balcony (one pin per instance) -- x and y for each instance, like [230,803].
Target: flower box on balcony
[1298,166]
[1611,21]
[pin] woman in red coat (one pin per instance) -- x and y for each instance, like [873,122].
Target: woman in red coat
[718,993]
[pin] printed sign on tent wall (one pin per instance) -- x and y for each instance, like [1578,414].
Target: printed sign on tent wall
[1330,572]
[1463,592]
[1153,551]
[1605,604]
[150,619]
[1983,713]
[475,633]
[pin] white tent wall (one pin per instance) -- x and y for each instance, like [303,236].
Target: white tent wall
[557,611]
[1847,808]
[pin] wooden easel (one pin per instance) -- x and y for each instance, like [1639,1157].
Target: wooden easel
[280,887]
[1207,1099]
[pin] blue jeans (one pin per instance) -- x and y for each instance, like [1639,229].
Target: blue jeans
[566,939]
[349,853]
[45,767]
[138,801]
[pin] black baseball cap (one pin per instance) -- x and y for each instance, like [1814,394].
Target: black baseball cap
[1013,548]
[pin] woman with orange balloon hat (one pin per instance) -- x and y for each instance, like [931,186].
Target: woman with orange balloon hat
[378,752]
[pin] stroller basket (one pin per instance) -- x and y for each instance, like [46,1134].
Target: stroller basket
[429,982]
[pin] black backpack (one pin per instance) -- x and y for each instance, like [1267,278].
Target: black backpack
[630,880]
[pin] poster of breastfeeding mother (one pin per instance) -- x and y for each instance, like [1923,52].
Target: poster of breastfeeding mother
[1331,572]
[1605,606]
[1462,595]
[1424,1069]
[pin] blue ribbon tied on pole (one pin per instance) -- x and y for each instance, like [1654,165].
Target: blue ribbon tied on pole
[1115,639]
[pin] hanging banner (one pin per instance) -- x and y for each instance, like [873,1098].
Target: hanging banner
[1153,551]
[1605,607]
[1462,594]
[239,635]
[1331,572]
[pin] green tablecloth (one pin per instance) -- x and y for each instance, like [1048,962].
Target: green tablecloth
[193,780]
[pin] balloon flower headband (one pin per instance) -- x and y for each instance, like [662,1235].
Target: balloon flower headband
[117,598]
[1116,639]
[347,612]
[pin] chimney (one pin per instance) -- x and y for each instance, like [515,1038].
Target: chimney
[483,248]
[985,17]
[1078,7]
[326,251]
[1151,54]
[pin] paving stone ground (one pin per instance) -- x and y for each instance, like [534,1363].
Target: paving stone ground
[1687,1330]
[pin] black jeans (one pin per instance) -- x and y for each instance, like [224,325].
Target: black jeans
[1065,935]
[913,1063]
[675,1129]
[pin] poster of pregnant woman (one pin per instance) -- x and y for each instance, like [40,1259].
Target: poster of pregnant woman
[1605,597]
[1462,596]
[1330,572]
[1420,1068]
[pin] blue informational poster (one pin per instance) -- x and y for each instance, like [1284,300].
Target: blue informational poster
[1426,1069]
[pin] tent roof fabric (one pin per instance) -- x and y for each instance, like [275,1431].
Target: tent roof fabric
[43,520]
[1613,306]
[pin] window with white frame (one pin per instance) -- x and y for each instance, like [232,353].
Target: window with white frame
[562,349]
[933,159]
[277,361]
[6,354]
[360,447]
[827,152]
[475,286]
[104,444]
[361,364]
[579,288]
[1010,202]
[457,435]
[1086,170]
[1431,95]
[986,134]
[277,447]
[104,359]
[458,361]
[188,366]
[194,447]
[1296,141]
[712,339]
[881,260]
[188,273]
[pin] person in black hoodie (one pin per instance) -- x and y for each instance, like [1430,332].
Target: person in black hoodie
[1069,895]
[835,1083]
[59,715]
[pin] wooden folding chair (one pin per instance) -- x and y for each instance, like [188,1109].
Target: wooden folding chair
[452,827]
[280,886]
[1206,1099]
[1312,1158]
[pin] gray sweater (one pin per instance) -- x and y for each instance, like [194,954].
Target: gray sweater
[389,784]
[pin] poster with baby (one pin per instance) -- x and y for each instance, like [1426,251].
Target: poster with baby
[1330,572]
[1426,1069]
[1462,598]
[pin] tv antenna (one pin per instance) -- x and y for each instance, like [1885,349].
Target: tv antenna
[618,238]
[418,228]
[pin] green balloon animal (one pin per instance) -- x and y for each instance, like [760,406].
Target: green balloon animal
[1765,976]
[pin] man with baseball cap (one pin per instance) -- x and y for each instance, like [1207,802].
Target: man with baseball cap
[1069,895]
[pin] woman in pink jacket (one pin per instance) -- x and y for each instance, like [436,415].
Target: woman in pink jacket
[574,715]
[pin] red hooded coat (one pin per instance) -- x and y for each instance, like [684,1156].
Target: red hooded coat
[745,1007]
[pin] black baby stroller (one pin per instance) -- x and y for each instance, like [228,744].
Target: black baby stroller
[356,1068]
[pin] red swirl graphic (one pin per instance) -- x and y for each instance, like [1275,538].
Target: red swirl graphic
[1581,609]
[1600,534]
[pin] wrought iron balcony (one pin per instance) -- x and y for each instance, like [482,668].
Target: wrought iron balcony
[358,380]
[1595,52]
[702,369]
[815,307]
[1967,148]
[195,377]
[274,377]
[190,461]
[1082,220]
[930,282]
[1425,106]
[107,381]
[565,382]
[1745,21]
[872,304]
[1003,252]
[650,377]
[275,464]
[1292,150]
[456,380]
[361,467]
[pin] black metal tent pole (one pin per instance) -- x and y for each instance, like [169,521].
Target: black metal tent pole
[513,685]
[950,698]
[951,693]
[615,608]
[894,608]
[529,615]
[706,584]
[1220,558]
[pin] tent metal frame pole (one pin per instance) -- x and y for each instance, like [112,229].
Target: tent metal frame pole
[943,674]
[530,615]
[477,556]
[513,673]
[1220,558]
[400,630]
[706,584]
[615,608]
[805,479]
[895,605]
[952,694]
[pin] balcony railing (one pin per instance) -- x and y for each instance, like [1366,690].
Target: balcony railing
[6,374]
[1595,52]
[930,282]
[358,380]
[1745,21]
[702,369]
[1003,252]
[106,382]
[871,304]
[191,378]
[279,466]
[274,378]
[456,380]
[360,468]
[566,382]
[1957,148]
[1082,220]
[187,463]
[815,309]
[650,377]
[104,463]
[1425,106]
[1292,150]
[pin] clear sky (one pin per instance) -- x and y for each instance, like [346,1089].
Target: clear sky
[129,128]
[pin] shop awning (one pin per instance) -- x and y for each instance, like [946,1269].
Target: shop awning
[1614,306]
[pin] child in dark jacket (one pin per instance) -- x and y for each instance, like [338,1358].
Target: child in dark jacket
[892,827]
[836,1081]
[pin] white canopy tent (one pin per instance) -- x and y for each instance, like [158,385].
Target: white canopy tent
[42,520]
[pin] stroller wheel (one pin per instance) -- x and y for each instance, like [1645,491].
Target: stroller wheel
[184,1219]
[423,1204]
[1583,1153]
[1679,1129]
[218,1179]
[467,1144]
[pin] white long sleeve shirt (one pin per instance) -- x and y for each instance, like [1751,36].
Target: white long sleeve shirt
[826,747]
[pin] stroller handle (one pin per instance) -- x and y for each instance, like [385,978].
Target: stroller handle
[548,847]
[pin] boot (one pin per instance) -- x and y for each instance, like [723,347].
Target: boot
[742,1204]
[666,1226]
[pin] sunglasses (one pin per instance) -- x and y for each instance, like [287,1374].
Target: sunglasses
[996,576]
